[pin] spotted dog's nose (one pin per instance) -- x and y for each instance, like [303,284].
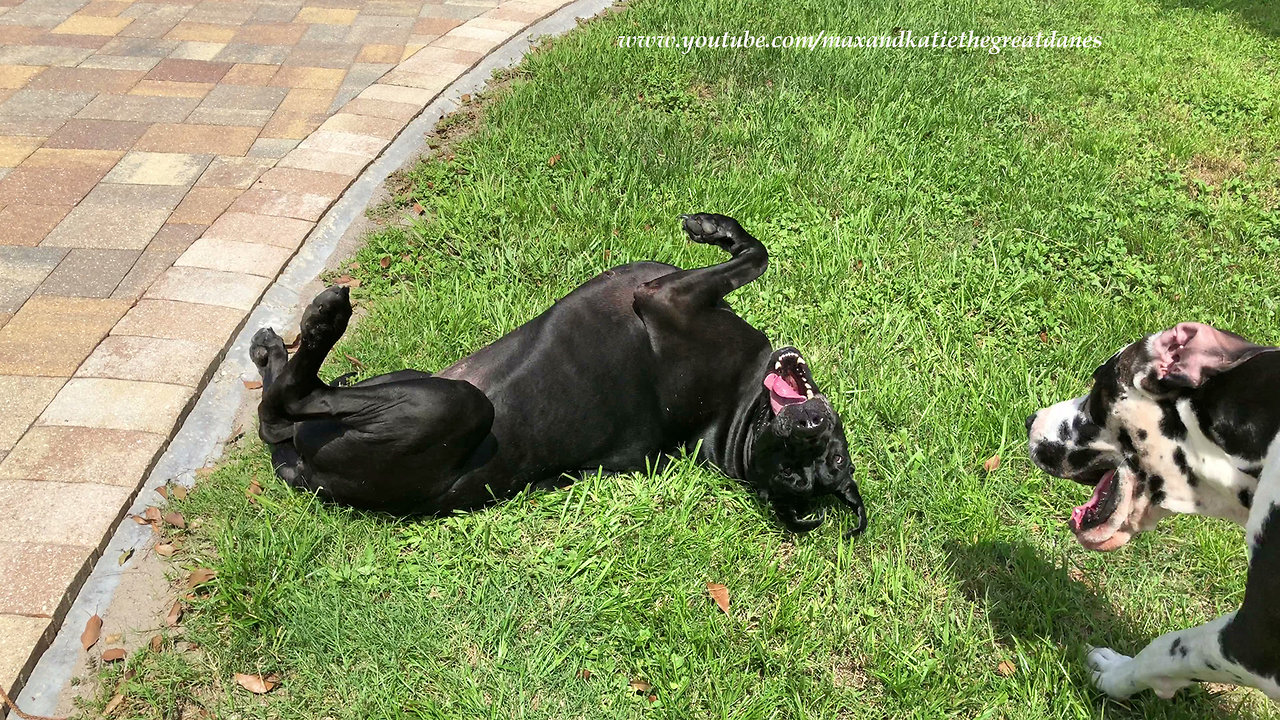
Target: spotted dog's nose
[1031,420]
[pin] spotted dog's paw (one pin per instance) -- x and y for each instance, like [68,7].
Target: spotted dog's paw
[712,229]
[1109,671]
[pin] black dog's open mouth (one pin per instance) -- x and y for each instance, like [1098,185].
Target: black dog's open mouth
[789,381]
[1101,506]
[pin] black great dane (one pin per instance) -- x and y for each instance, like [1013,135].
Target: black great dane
[641,361]
[1182,421]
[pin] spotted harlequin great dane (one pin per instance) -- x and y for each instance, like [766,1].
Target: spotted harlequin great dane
[1182,421]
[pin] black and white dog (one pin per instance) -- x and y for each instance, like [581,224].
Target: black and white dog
[1182,421]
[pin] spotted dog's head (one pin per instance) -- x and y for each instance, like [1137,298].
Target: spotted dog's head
[1166,428]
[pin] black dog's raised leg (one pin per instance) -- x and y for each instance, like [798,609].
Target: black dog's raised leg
[287,396]
[268,353]
[706,286]
[849,496]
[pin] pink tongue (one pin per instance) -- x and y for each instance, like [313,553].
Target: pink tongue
[779,391]
[1078,514]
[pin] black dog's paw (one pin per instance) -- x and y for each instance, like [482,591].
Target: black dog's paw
[265,342]
[799,520]
[326,317]
[711,229]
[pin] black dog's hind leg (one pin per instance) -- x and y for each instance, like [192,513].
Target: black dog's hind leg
[268,353]
[703,287]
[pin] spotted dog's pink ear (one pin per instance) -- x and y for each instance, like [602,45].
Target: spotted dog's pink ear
[1189,353]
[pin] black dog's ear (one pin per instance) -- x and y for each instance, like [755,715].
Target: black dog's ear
[1188,354]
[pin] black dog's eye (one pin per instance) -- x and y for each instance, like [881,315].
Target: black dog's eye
[839,460]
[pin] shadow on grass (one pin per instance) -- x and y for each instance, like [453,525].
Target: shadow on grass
[1263,15]
[1028,599]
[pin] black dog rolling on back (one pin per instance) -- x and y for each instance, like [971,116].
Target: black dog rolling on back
[637,363]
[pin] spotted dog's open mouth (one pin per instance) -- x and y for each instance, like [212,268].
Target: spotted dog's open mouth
[789,381]
[1113,514]
[1101,506]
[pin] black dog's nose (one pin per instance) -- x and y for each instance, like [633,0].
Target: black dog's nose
[1031,420]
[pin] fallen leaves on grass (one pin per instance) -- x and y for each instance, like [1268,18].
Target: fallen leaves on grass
[385,262]
[253,489]
[175,519]
[720,594]
[200,576]
[1006,668]
[257,684]
[640,686]
[355,361]
[585,674]
[179,492]
[113,655]
[157,642]
[175,614]
[113,705]
[551,161]
[991,464]
[166,549]
[92,631]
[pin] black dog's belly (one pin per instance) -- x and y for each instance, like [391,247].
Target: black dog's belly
[582,387]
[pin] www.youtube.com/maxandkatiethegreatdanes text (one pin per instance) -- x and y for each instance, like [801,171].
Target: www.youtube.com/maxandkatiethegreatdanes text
[897,39]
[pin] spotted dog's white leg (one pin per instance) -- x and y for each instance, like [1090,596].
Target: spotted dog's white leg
[1170,663]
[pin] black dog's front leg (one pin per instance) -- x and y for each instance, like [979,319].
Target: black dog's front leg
[797,515]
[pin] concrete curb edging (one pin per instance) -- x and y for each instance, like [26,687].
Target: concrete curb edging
[209,423]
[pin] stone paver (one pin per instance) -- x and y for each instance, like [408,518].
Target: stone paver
[160,162]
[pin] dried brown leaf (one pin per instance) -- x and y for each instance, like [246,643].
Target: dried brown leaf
[1006,668]
[200,576]
[92,631]
[166,549]
[640,686]
[163,491]
[157,643]
[256,684]
[385,262]
[991,464]
[418,209]
[551,161]
[175,614]
[179,492]
[152,514]
[113,639]
[720,594]
[175,519]
[113,705]
[585,674]
[253,489]
[355,361]
[1044,336]
[113,655]
[252,384]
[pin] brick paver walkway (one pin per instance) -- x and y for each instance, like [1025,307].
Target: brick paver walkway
[160,161]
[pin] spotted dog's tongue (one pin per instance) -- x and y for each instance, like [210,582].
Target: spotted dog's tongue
[780,392]
[1084,514]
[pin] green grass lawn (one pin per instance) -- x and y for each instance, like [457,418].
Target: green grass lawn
[957,239]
